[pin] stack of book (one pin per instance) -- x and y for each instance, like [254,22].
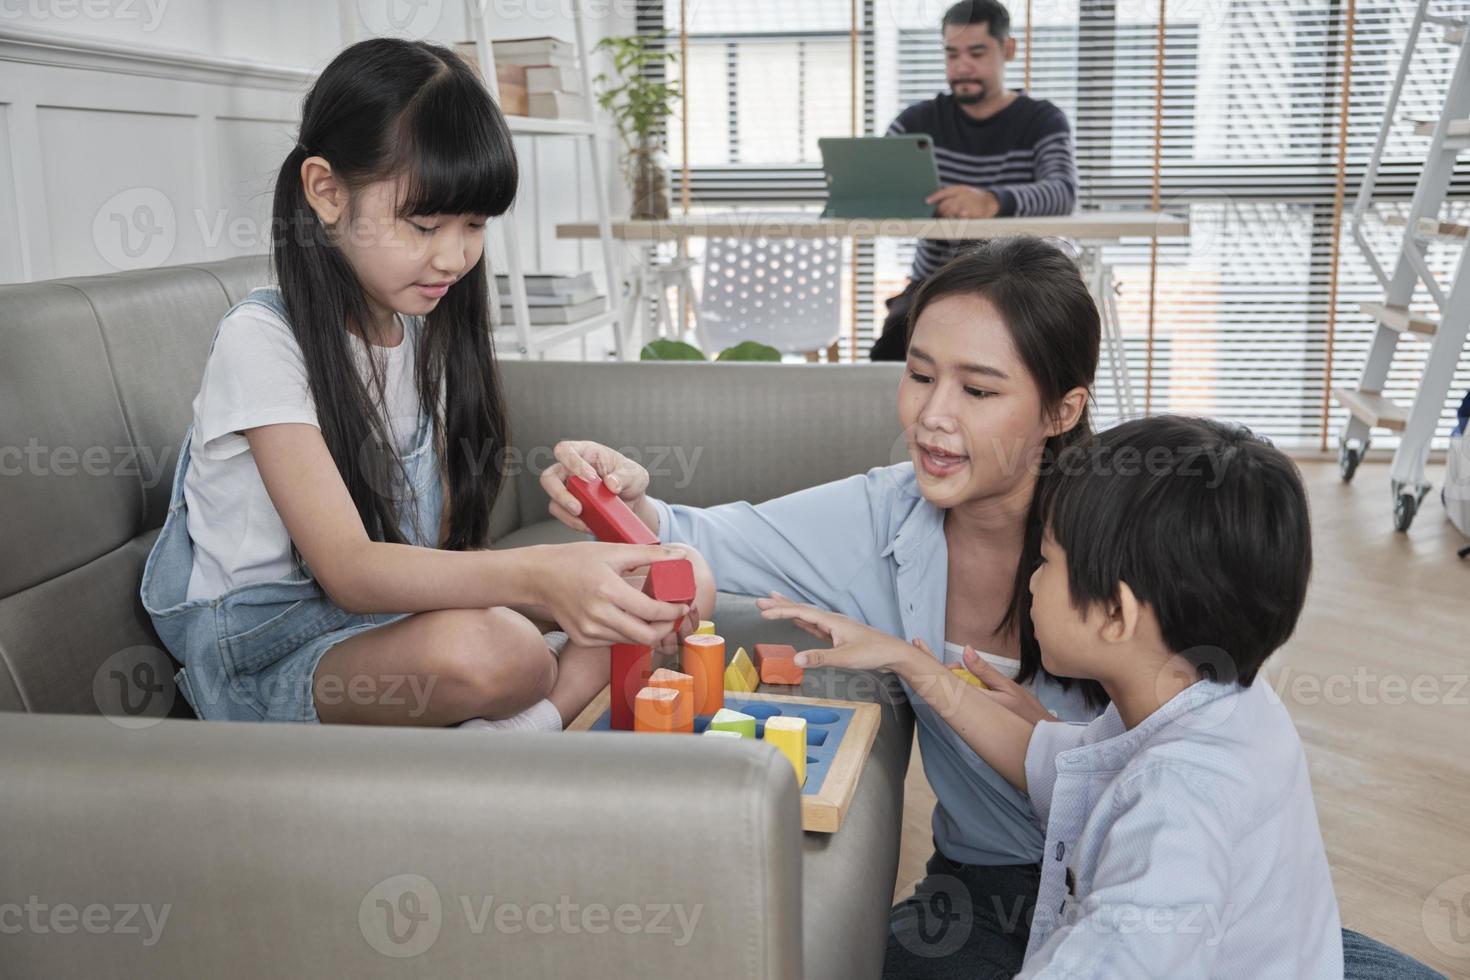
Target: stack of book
[554,297]
[553,80]
[510,79]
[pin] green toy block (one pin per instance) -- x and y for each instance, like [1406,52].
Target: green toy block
[729,720]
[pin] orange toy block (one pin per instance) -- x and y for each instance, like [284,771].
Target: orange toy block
[777,664]
[703,659]
[657,709]
[684,684]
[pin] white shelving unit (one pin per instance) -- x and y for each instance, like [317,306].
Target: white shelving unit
[535,341]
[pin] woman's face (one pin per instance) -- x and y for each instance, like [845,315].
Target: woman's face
[971,413]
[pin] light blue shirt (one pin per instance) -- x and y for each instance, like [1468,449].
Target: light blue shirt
[1187,847]
[872,548]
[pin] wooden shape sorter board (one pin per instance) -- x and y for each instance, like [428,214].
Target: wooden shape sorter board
[840,735]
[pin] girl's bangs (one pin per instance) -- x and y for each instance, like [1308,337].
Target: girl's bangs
[455,152]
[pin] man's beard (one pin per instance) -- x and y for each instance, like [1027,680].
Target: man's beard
[968,98]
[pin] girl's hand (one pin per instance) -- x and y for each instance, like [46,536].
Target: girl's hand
[1004,691]
[582,587]
[591,461]
[854,646]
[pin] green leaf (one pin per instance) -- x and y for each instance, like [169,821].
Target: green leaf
[750,350]
[670,350]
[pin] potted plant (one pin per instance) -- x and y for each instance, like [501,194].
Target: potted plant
[639,106]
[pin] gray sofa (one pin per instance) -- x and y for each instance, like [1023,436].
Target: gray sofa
[145,845]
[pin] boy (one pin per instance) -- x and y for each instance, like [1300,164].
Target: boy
[1181,837]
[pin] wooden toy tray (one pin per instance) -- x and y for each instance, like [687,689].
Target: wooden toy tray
[840,735]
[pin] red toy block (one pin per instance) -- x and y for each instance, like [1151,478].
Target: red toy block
[670,581]
[777,664]
[631,666]
[605,513]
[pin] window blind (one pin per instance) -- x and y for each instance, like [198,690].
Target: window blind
[1249,135]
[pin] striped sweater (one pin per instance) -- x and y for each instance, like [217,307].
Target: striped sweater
[1022,155]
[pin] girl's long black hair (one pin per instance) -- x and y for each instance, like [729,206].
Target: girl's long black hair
[1055,327]
[415,112]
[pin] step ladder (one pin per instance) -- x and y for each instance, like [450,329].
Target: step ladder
[1368,409]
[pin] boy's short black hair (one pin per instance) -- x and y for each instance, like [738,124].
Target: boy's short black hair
[1206,522]
[991,13]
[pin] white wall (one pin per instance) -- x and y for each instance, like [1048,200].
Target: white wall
[138,133]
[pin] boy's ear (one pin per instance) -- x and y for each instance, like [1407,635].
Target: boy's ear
[1122,616]
[324,192]
[1069,412]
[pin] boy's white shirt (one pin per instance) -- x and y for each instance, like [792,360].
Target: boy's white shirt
[1192,844]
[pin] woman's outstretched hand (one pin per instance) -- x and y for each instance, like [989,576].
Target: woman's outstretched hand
[854,646]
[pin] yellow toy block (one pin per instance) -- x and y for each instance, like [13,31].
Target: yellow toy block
[706,628]
[788,733]
[963,673]
[740,675]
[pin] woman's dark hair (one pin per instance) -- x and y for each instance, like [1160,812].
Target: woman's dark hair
[1207,524]
[1054,326]
[415,112]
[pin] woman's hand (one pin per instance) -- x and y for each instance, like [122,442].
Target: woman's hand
[854,646]
[1004,691]
[593,461]
[581,586]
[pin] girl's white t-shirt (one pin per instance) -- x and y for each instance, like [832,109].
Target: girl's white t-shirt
[256,376]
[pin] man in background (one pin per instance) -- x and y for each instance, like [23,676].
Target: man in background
[1000,152]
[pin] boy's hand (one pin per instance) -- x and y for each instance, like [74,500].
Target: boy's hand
[594,462]
[1006,692]
[854,646]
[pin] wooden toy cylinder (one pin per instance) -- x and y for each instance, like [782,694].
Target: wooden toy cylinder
[704,660]
[630,669]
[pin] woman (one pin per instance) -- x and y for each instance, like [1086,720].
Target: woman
[1003,348]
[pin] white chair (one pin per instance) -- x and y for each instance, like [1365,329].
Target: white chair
[782,292]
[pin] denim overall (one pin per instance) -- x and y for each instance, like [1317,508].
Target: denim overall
[251,653]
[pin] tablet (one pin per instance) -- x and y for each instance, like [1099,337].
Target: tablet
[879,176]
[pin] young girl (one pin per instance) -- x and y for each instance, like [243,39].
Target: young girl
[322,556]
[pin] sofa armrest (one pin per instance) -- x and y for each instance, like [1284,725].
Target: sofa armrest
[245,850]
[708,433]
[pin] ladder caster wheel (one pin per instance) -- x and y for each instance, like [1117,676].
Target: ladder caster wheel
[1405,506]
[1348,458]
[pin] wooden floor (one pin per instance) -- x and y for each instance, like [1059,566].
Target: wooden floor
[1390,770]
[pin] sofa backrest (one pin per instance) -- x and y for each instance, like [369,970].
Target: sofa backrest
[97,376]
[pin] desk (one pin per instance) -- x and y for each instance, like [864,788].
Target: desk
[1090,229]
